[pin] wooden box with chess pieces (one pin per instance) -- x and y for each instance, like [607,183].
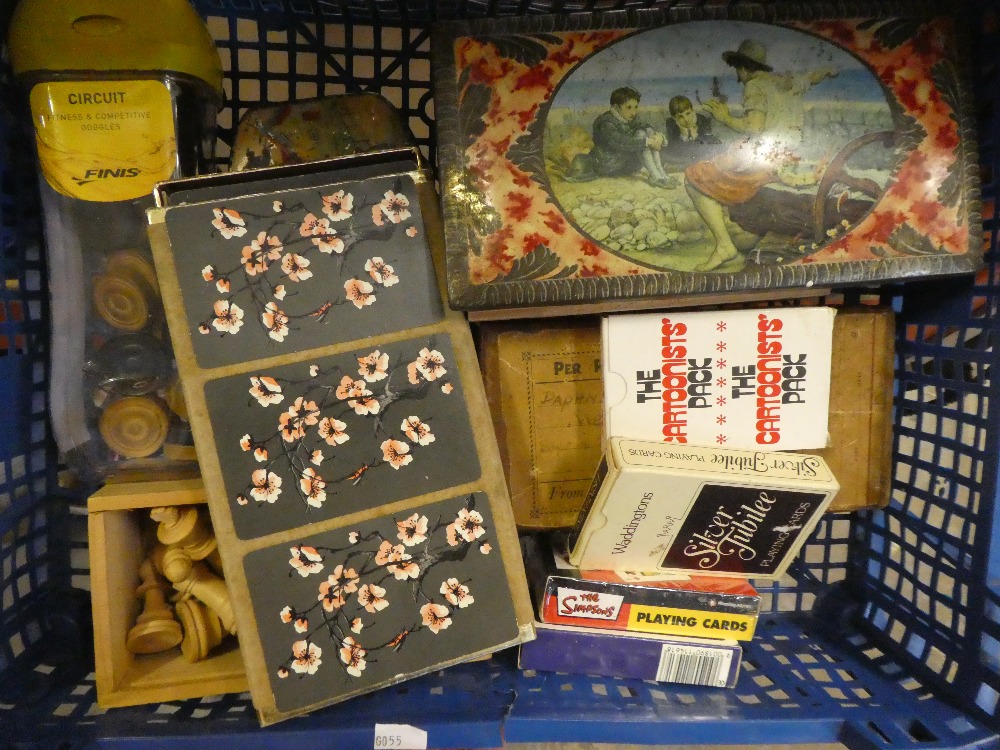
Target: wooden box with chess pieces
[163,621]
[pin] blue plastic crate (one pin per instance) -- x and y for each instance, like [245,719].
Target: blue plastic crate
[885,635]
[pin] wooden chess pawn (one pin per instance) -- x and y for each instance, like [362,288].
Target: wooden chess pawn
[184,527]
[155,629]
[202,629]
[194,578]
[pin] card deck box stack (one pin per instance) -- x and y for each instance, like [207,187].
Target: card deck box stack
[881,631]
[666,628]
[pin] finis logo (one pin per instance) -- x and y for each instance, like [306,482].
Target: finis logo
[92,175]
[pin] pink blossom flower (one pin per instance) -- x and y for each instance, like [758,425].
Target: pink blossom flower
[457,593]
[275,321]
[306,560]
[301,625]
[295,267]
[338,206]
[468,526]
[286,615]
[228,317]
[435,617]
[266,486]
[417,431]
[229,223]
[312,225]
[306,411]
[389,552]
[412,530]
[333,431]
[372,597]
[261,250]
[394,206]
[381,272]
[411,232]
[430,364]
[290,427]
[349,388]
[266,390]
[374,366]
[364,404]
[334,590]
[359,292]
[329,243]
[404,569]
[306,655]
[396,452]
[353,655]
[208,273]
[313,487]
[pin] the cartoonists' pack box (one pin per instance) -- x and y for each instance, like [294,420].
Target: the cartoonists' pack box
[747,379]
[667,604]
[655,507]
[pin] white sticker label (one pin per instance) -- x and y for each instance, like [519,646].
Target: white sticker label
[691,665]
[399,737]
[589,604]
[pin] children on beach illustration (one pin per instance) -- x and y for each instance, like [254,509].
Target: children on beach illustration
[623,144]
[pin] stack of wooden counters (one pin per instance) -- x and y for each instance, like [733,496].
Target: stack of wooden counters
[184,598]
[141,410]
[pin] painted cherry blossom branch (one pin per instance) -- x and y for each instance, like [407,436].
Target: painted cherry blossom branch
[463,532]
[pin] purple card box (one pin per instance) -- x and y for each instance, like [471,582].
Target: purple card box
[615,653]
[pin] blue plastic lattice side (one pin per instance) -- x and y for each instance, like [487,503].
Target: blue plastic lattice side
[27,465]
[922,563]
[462,707]
[26,468]
[796,686]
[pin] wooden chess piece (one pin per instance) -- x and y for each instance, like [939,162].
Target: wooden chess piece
[182,526]
[155,629]
[193,578]
[202,629]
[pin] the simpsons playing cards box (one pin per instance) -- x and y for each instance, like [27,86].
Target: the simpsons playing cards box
[753,379]
[655,507]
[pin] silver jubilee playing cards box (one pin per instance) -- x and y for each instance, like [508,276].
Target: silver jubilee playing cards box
[655,507]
